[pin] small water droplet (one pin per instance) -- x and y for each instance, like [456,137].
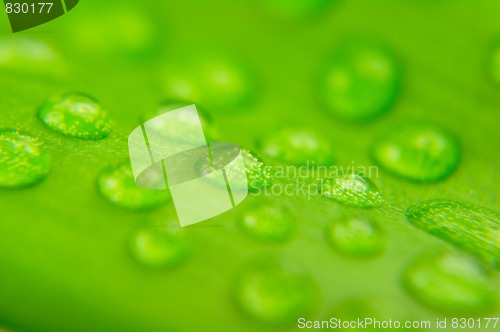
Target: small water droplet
[275,291]
[117,184]
[180,85]
[23,162]
[160,245]
[357,237]
[75,115]
[360,82]
[418,152]
[495,64]
[352,190]
[133,35]
[221,83]
[471,228]
[28,54]
[449,282]
[187,133]
[267,223]
[298,147]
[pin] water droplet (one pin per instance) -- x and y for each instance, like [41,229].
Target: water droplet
[186,133]
[75,115]
[297,8]
[179,84]
[275,291]
[418,152]
[495,64]
[28,54]
[133,35]
[221,83]
[118,186]
[160,245]
[23,161]
[360,82]
[469,227]
[351,189]
[357,237]
[267,223]
[298,147]
[258,175]
[449,282]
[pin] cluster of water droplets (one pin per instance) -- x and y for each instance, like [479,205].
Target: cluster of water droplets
[359,84]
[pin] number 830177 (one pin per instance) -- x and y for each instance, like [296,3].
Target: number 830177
[28,8]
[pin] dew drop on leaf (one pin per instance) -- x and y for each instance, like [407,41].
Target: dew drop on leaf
[160,246]
[75,115]
[29,55]
[360,81]
[449,282]
[259,175]
[183,134]
[471,228]
[419,152]
[218,82]
[255,176]
[351,189]
[355,237]
[267,223]
[23,161]
[117,184]
[298,147]
[275,290]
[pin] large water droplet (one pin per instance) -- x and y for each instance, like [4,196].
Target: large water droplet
[360,82]
[419,152]
[267,223]
[469,227]
[298,147]
[76,115]
[118,186]
[275,291]
[23,161]
[219,82]
[449,282]
[160,245]
[357,237]
[351,189]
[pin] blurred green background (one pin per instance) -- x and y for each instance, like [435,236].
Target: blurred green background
[66,262]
